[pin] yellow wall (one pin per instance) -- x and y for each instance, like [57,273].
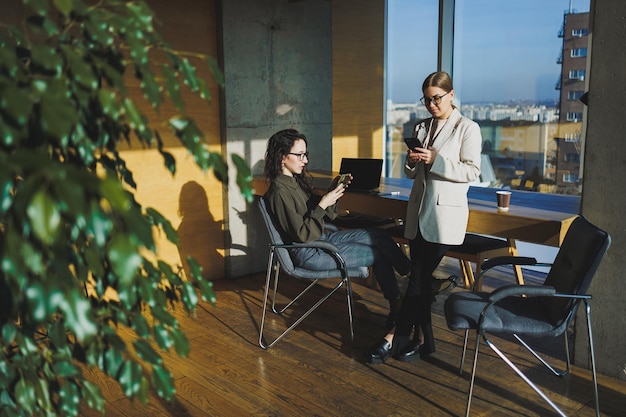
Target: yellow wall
[358,79]
[192,199]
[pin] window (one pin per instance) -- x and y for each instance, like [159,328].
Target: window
[575,94]
[501,56]
[577,74]
[574,116]
[570,178]
[411,56]
[572,157]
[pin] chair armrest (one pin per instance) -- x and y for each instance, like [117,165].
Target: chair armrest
[518,290]
[318,244]
[507,260]
[327,247]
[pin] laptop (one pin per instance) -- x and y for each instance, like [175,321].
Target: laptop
[365,172]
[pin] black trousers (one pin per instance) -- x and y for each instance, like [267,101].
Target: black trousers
[415,312]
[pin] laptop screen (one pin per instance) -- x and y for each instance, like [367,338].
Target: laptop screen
[365,172]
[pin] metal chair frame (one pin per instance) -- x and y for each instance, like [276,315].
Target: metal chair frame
[279,259]
[506,309]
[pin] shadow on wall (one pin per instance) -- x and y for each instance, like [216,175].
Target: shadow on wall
[201,237]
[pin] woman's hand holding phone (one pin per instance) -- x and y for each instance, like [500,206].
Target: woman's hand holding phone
[413,143]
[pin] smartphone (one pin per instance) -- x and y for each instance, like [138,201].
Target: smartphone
[413,143]
[343,179]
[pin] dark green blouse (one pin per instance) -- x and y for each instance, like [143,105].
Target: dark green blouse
[299,216]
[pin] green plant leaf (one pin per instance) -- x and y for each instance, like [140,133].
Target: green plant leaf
[92,395]
[79,69]
[8,332]
[109,103]
[218,75]
[135,119]
[194,268]
[64,6]
[206,289]
[130,378]
[47,58]
[181,344]
[146,352]
[70,398]
[78,315]
[172,87]
[140,324]
[113,359]
[244,177]
[96,27]
[142,15]
[25,394]
[65,369]
[162,337]
[204,91]
[16,103]
[42,392]
[188,73]
[163,382]
[38,6]
[151,90]
[159,220]
[6,193]
[45,217]
[125,259]
[8,62]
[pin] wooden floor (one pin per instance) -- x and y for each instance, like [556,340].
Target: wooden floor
[315,371]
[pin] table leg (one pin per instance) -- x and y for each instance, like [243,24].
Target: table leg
[516,268]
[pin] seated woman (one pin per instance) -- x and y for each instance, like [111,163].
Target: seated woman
[300,214]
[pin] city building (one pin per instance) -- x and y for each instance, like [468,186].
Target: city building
[573,60]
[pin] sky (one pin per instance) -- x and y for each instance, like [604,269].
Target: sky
[504,49]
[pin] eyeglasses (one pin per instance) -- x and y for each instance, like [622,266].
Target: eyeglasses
[300,156]
[436,99]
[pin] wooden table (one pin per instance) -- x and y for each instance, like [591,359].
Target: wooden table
[532,217]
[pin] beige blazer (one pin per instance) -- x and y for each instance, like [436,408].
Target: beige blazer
[438,200]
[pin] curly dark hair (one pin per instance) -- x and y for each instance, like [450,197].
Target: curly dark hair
[279,146]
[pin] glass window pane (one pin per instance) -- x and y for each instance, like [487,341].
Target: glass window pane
[519,71]
[412,37]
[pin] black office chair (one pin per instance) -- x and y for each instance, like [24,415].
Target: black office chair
[540,311]
[279,259]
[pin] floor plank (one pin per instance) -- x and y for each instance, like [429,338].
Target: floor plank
[316,371]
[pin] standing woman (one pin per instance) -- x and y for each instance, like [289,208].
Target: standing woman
[301,213]
[437,212]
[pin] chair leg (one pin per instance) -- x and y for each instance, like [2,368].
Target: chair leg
[523,376]
[473,376]
[536,355]
[272,265]
[350,299]
[468,275]
[593,357]
[465,340]
[543,361]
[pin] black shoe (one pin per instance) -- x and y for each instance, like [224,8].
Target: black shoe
[410,353]
[379,353]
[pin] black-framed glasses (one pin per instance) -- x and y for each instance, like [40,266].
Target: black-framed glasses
[300,156]
[435,99]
